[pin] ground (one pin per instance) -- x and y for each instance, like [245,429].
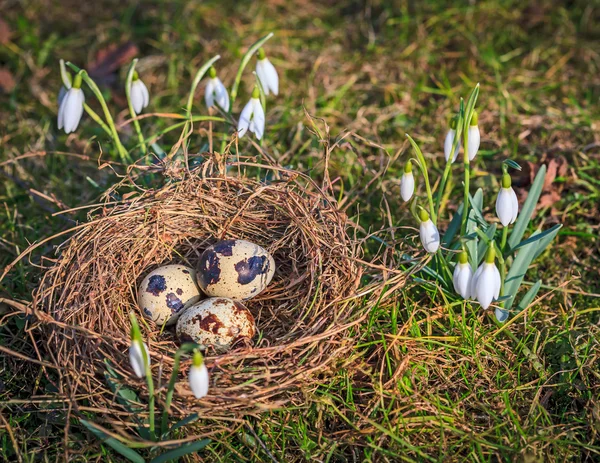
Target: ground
[431,379]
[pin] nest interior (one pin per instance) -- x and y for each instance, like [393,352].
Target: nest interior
[302,317]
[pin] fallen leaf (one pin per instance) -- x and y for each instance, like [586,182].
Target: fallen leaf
[5,32]
[109,60]
[7,81]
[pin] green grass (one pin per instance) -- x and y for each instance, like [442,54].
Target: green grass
[430,378]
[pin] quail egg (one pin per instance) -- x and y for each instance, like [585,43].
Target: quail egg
[236,269]
[166,291]
[216,322]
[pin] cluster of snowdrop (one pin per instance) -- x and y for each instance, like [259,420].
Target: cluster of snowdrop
[469,236]
[71,99]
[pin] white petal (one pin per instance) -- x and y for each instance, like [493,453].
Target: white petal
[486,285]
[209,93]
[448,145]
[145,93]
[136,93]
[497,281]
[221,95]
[61,112]
[474,141]
[430,237]
[258,118]
[199,380]
[271,76]
[261,73]
[73,109]
[137,359]
[407,186]
[61,96]
[515,205]
[463,274]
[504,206]
[474,280]
[245,118]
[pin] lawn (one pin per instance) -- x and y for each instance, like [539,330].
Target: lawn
[431,378]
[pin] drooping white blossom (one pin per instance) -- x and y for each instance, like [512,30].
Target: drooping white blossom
[486,283]
[139,95]
[463,274]
[407,183]
[507,204]
[136,357]
[267,74]
[430,237]
[252,117]
[198,377]
[216,92]
[71,109]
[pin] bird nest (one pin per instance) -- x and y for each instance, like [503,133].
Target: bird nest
[302,318]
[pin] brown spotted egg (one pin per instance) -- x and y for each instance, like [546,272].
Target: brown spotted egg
[217,322]
[236,269]
[166,291]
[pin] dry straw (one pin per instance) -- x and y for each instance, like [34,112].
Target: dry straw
[303,318]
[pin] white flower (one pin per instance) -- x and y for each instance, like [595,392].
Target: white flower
[62,93]
[485,285]
[448,142]
[430,237]
[474,141]
[139,95]
[507,204]
[216,92]
[199,380]
[252,117]
[407,183]
[71,109]
[136,357]
[463,274]
[267,74]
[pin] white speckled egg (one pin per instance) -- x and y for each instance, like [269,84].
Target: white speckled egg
[166,291]
[216,322]
[236,269]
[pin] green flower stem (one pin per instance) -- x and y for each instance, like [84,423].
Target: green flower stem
[245,60]
[199,75]
[185,348]
[150,383]
[463,227]
[423,166]
[109,120]
[181,124]
[445,176]
[97,119]
[136,123]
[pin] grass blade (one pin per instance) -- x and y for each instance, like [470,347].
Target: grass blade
[453,227]
[529,296]
[117,446]
[186,449]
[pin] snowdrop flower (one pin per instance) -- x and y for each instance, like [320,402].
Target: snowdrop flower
[449,141]
[430,237]
[216,92]
[507,205]
[485,285]
[71,107]
[474,137]
[267,74]
[407,183]
[138,92]
[252,117]
[463,274]
[198,376]
[138,350]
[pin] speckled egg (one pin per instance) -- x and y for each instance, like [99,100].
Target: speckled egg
[236,269]
[217,322]
[166,291]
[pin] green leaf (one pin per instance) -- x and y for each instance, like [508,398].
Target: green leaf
[119,447]
[472,224]
[187,420]
[546,240]
[470,106]
[529,296]
[527,211]
[179,452]
[453,227]
[518,269]
[547,236]
[477,208]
